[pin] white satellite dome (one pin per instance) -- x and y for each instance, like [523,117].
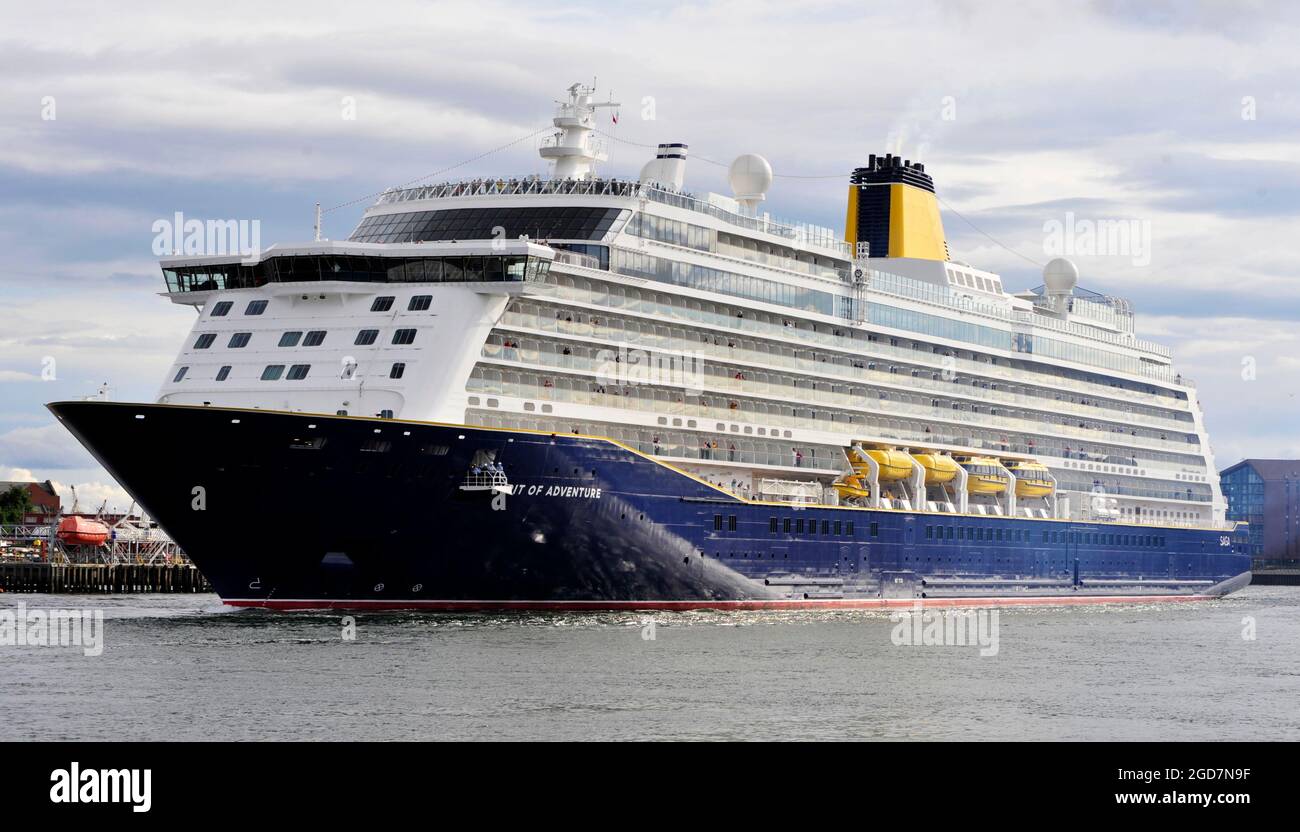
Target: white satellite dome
[1060,276]
[750,177]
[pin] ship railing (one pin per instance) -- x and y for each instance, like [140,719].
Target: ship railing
[841,368]
[485,481]
[573,258]
[937,295]
[614,396]
[608,377]
[800,233]
[791,331]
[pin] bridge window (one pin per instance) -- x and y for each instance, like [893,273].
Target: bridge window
[564,223]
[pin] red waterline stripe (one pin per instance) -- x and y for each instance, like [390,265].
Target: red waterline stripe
[683,606]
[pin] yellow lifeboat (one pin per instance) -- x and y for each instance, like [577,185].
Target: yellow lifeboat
[1032,478]
[939,468]
[984,475]
[852,487]
[894,464]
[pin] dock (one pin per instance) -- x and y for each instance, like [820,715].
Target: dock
[1275,577]
[101,578]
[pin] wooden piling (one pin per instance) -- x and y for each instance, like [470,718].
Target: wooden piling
[100,578]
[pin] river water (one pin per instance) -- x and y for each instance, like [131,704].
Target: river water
[188,668]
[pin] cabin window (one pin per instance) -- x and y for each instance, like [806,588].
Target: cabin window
[786,525]
[239,339]
[875,530]
[731,522]
[272,372]
[223,373]
[205,340]
[419,303]
[290,339]
[298,372]
[222,309]
[717,522]
[314,338]
[404,336]
[366,337]
[772,525]
[255,307]
[398,369]
[382,304]
[180,374]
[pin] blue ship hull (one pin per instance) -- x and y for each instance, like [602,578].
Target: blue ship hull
[288,510]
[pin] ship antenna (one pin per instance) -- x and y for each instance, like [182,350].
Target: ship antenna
[318,222]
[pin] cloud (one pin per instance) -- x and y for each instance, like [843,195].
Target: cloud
[91,488]
[17,375]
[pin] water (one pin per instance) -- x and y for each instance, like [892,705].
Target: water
[187,668]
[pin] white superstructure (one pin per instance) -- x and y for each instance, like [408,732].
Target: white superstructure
[755,353]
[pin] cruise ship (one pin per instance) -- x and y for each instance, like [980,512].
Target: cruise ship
[581,392]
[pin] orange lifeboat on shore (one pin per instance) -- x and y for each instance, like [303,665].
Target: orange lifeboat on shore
[82,531]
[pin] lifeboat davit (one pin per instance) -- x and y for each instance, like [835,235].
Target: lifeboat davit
[894,465]
[984,475]
[82,531]
[1032,479]
[939,468]
[852,487]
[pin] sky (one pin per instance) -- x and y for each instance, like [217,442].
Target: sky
[1181,120]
